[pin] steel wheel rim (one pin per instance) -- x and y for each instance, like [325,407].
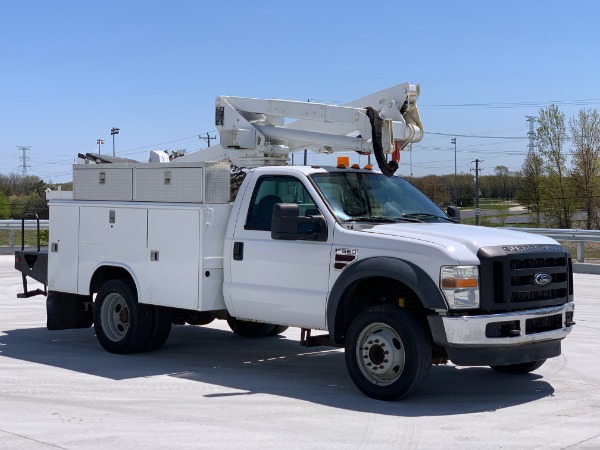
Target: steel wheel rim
[115,317]
[380,354]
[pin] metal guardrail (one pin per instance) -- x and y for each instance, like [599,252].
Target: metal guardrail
[578,236]
[15,225]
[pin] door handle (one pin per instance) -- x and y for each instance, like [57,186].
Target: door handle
[238,251]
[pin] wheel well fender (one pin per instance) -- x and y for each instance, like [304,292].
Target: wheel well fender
[405,272]
[107,272]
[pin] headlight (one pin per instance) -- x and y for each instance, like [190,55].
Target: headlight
[460,285]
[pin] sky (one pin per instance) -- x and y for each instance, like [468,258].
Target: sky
[71,70]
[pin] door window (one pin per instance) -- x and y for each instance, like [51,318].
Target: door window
[270,190]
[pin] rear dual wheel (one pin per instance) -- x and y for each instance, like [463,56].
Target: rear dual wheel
[123,325]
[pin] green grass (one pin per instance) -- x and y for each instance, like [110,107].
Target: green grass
[30,238]
[487,206]
[486,222]
[591,250]
[491,205]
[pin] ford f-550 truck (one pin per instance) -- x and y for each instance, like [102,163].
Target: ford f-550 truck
[363,255]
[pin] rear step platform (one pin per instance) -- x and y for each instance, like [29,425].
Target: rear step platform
[32,263]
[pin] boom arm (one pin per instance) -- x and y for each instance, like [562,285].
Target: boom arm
[253,132]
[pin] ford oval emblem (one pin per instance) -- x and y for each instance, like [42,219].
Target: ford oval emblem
[542,279]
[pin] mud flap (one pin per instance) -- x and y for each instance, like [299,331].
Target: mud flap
[66,311]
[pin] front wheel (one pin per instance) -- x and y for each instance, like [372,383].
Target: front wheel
[122,325]
[520,369]
[388,354]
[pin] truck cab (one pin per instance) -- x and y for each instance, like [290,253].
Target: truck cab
[328,247]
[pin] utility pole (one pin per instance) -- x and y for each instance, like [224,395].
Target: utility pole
[24,158]
[477,169]
[207,138]
[410,153]
[453,141]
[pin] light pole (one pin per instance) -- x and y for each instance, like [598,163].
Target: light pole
[99,142]
[114,131]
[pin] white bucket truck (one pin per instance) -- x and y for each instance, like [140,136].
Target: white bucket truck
[361,254]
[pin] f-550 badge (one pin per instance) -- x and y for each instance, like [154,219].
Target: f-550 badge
[344,257]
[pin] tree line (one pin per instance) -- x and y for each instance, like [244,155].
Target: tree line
[552,189]
[22,194]
[460,190]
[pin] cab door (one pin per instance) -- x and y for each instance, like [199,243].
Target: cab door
[278,281]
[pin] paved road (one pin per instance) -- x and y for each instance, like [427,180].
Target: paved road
[207,388]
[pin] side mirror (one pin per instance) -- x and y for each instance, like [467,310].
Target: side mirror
[287,224]
[454,213]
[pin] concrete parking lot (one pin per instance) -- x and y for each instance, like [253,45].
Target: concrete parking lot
[207,388]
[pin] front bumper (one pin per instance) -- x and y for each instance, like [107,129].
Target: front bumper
[505,338]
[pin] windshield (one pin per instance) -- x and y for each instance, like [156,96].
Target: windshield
[355,196]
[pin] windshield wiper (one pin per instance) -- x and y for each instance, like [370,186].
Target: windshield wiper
[381,219]
[425,216]
[371,219]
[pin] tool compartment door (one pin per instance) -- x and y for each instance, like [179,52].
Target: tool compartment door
[63,251]
[173,258]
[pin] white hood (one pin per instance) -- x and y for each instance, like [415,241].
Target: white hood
[457,238]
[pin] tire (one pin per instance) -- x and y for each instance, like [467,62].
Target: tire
[278,329]
[520,369]
[388,354]
[122,324]
[244,328]
[161,328]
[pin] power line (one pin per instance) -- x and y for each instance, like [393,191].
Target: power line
[583,102]
[478,136]
[491,105]
[162,143]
